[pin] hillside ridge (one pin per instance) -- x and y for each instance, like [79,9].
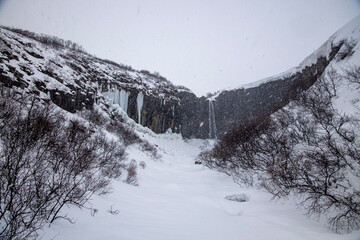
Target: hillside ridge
[62,72]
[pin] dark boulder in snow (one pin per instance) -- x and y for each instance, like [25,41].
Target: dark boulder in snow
[238,197]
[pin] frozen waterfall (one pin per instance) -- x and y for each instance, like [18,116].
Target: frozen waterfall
[118,97]
[212,123]
[140,102]
[124,99]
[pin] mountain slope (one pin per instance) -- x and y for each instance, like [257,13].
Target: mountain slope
[175,199]
[309,149]
[72,79]
[60,71]
[240,106]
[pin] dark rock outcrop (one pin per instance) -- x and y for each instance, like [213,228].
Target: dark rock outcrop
[239,107]
[74,80]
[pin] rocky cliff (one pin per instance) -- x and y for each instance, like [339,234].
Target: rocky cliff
[53,70]
[56,70]
[212,117]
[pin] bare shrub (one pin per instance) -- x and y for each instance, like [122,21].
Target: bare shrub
[113,211]
[142,164]
[353,75]
[131,177]
[119,65]
[124,132]
[48,40]
[148,147]
[94,117]
[46,163]
[308,149]
[94,211]
[129,137]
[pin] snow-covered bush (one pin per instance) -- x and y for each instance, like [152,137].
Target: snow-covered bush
[142,164]
[123,132]
[310,149]
[48,40]
[131,177]
[47,162]
[347,49]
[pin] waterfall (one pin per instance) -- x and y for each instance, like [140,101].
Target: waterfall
[140,102]
[212,123]
[118,97]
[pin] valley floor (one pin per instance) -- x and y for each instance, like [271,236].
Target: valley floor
[177,199]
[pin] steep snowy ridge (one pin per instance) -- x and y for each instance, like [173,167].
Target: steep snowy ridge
[315,131]
[250,102]
[350,32]
[175,198]
[348,37]
[60,67]
[74,79]
[348,97]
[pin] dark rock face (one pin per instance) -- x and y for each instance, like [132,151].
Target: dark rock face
[75,80]
[72,102]
[242,106]
[157,114]
[239,107]
[194,116]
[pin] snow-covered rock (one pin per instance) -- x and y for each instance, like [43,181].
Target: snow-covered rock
[74,79]
[238,197]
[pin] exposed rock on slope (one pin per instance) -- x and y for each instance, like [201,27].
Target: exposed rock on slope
[251,102]
[236,107]
[73,80]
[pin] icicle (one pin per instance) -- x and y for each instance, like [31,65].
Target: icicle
[111,95]
[115,96]
[118,97]
[124,99]
[212,123]
[140,102]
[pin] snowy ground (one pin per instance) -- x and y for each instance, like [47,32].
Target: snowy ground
[176,199]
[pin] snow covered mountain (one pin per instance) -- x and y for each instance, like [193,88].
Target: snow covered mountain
[57,70]
[308,150]
[251,102]
[174,199]
[60,71]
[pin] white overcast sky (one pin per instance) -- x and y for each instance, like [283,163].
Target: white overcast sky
[201,44]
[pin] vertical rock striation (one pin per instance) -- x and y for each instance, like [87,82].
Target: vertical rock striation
[75,80]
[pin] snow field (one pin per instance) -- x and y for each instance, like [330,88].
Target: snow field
[177,199]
